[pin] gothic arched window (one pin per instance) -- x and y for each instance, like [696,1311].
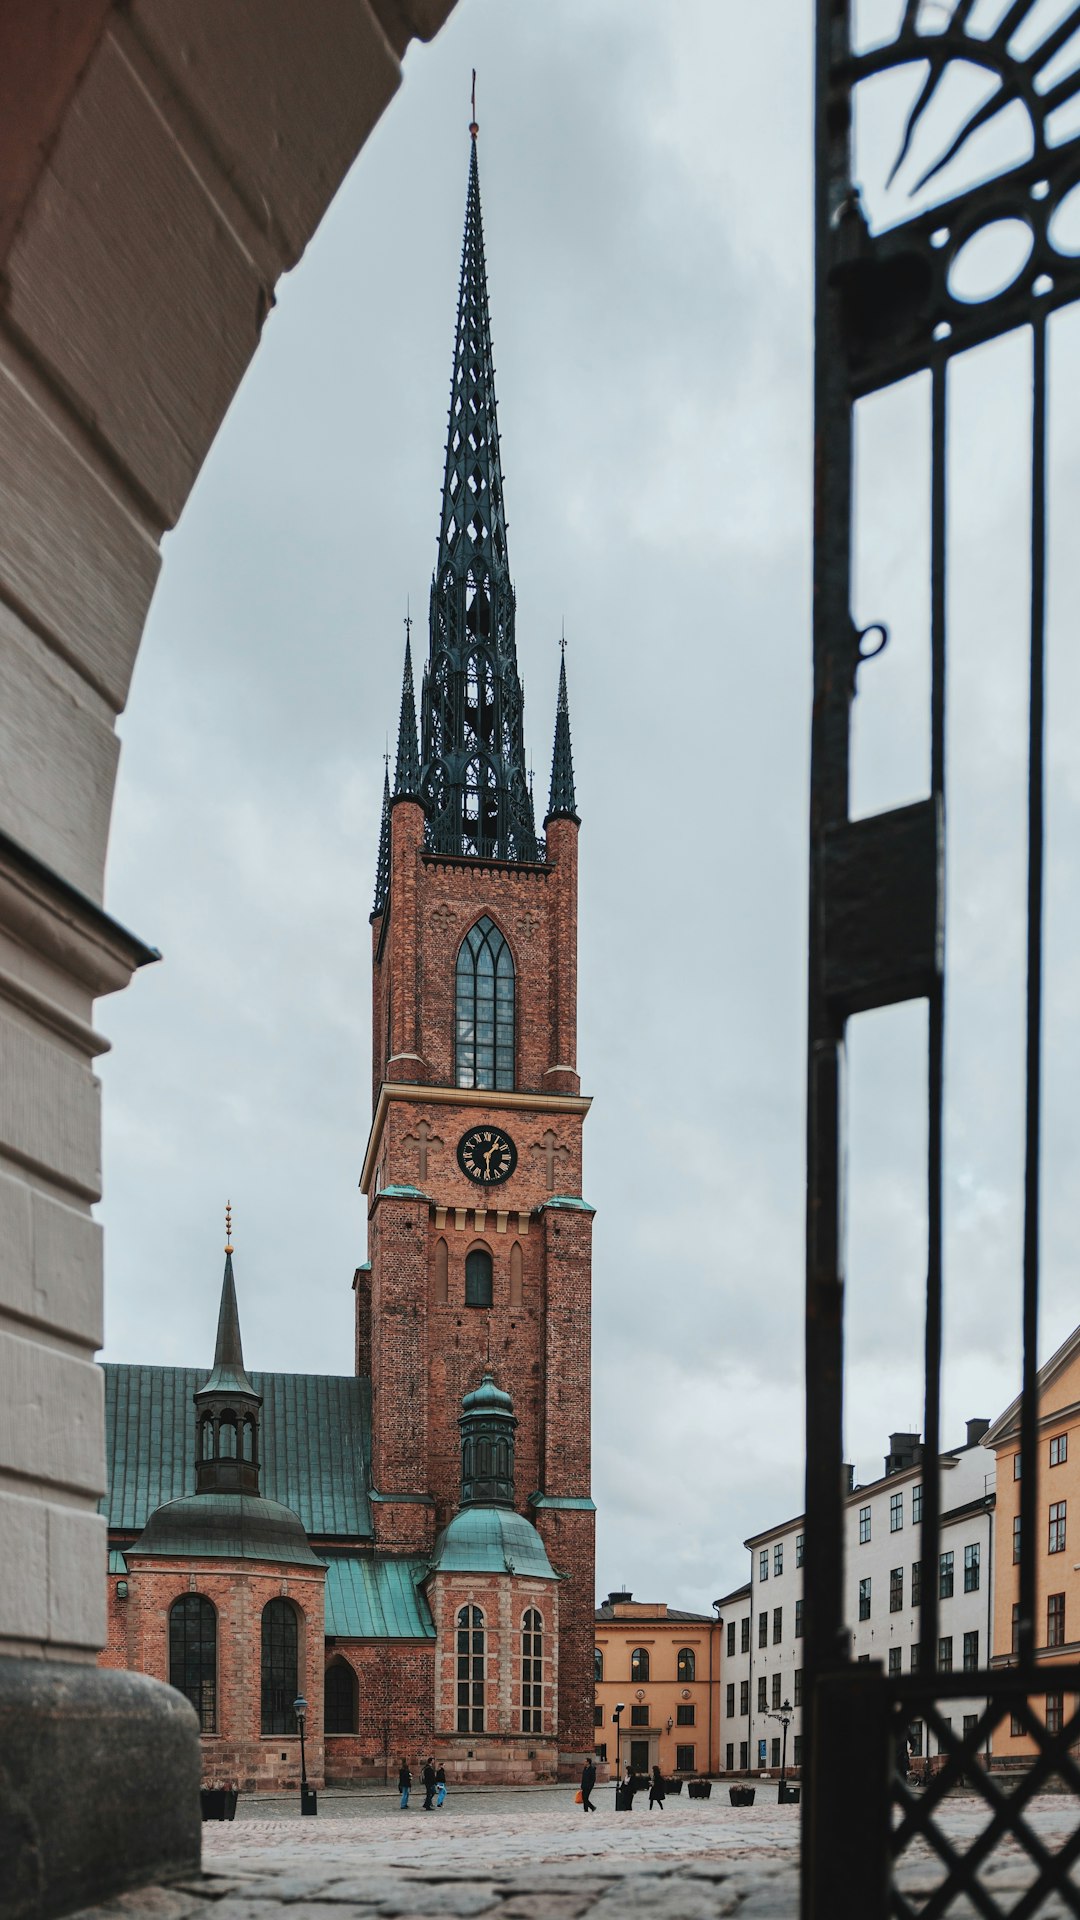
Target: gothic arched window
[478,1278]
[639,1663]
[687,1663]
[279,1666]
[484,1042]
[193,1656]
[340,1698]
[532,1671]
[470,1670]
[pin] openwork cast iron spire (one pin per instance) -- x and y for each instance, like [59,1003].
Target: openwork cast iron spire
[562,804]
[474,784]
[407,771]
[382,867]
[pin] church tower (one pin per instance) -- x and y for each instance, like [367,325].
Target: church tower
[477,1293]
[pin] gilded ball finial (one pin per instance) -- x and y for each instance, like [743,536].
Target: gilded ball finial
[228,1226]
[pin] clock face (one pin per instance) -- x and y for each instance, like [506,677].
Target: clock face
[487,1155]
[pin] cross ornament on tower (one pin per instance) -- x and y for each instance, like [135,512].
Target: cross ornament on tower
[422,1139]
[553,1155]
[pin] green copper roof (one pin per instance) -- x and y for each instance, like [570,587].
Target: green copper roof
[316,1431]
[565,1504]
[226,1526]
[372,1598]
[491,1540]
[117,1563]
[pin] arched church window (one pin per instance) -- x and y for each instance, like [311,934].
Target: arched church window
[639,1663]
[442,1283]
[249,1439]
[227,1437]
[470,1670]
[484,1045]
[340,1698]
[206,1440]
[193,1655]
[478,1281]
[280,1646]
[598,1665]
[687,1663]
[515,1275]
[532,1672]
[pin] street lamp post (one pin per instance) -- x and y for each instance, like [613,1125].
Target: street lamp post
[617,1716]
[309,1799]
[785,1715]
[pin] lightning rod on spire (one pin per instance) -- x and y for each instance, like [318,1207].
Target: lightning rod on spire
[473,127]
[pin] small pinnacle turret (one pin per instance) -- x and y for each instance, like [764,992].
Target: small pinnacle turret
[382,865]
[227,1405]
[562,803]
[407,771]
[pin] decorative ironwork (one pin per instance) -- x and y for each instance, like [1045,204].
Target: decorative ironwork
[890,303]
[382,865]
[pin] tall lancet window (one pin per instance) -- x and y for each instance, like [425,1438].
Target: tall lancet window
[470,1670]
[485,1009]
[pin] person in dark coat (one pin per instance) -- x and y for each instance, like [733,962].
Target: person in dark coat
[430,1783]
[404,1781]
[588,1782]
[440,1783]
[656,1790]
[630,1784]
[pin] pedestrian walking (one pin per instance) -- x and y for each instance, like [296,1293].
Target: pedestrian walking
[440,1785]
[656,1790]
[404,1781]
[588,1782]
[429,1783]
[629,1788]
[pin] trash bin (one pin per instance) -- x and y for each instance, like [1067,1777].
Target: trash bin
[309,1800]
[218,1803]
[787,1795]
[741,1796]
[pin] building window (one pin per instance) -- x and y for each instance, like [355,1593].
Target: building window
[478,1278]
[971,1721]
[944,1654]
[864,1598]
[340,1698]
[896,1590]
[1055,1620]
[1016,1725]
[797,1695]
[744,1696]
[796,1750]
[762,1693]
[895,1659]
[744,1635]
[896,1512]
[744,1755]
[778,1558]
[763,1629]
[1016,1538]
[639,1663]
[1056,1542]
[776,1750]
[945,1577]
[193,1656]
[916,1582]
[731,1639]
[914,1734]
[639,1756]
[1054,1712]
[687,1665]
[639,1716]
[601,1750]
[777,1625]
[915,1657]
[684,1760]
[598,1665]
[485,1009]
[864,1525]
[1059,1449]
[470,1670]
[532,1672]
[686,1714]
[916,1505]
[799,1538]
[279,1667]
[1016,1466]
[798,1620]
[729,1700]
[971,1568]
[776,1690]
[729,1757]
[1016,1626]
[763,1564]
[971,1652]
[598,1716]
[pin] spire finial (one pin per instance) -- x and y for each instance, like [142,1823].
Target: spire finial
[562,803]
[562,640]
[407,772]
[228,1226]
[473,126]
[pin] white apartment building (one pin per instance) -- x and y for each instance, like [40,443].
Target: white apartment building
[762,1641]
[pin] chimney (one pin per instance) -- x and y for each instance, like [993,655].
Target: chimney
[618,1599]
[848,1481]
[904,1451]
[976,1430]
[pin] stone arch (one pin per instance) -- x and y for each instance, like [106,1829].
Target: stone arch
[341,1697]
[442,1273]
[516,1271]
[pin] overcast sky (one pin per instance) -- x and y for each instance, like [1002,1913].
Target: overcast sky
[646,182]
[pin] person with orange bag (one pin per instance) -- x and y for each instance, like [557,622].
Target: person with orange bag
[588,1782]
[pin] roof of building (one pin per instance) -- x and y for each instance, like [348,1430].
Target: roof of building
[664,1615]
[737,1593]
[316,1441]
[491,1540]
[369,1597]
[1007,1425]
[225,1526]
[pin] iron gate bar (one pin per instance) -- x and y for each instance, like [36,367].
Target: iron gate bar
[885,308]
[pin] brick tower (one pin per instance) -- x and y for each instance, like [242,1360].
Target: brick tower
[479,1238]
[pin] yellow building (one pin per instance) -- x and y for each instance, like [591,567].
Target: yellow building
[663,1668]
[1057,1572]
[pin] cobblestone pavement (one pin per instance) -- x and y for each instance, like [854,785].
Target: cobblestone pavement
[534,1856]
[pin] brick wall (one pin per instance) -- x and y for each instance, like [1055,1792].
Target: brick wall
[502,1751]
[395,1710]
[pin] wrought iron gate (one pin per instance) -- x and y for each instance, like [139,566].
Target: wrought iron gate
[888,305]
